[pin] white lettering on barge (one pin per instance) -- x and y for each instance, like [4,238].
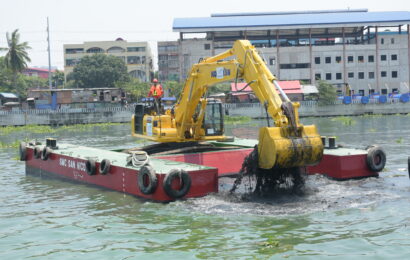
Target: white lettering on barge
[68,163]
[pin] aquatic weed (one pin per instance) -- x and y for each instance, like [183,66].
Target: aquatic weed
[345,120]
[400,140]
[43,129]
[233,120]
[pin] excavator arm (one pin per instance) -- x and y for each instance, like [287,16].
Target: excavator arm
[286,144]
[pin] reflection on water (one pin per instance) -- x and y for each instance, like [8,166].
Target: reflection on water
[47,218]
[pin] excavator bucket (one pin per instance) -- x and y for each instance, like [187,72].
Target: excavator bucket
[279,148]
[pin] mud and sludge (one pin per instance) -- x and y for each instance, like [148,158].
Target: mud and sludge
[319,193]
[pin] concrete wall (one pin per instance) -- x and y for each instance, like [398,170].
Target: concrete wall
[255,110]
[66,117]
[123,115]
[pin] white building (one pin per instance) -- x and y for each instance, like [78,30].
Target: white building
[136,55]
[367,50]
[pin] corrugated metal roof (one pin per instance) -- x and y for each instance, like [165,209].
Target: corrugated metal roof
[288,86]
[8,95]
[309,89]
[283,21]
[292,12]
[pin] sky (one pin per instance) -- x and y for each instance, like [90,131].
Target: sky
[76,21]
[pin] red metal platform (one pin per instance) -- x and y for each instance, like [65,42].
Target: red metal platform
[69,162]
[203,169]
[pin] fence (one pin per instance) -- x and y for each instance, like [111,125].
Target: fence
[66,116]
[337,108]
[65,111]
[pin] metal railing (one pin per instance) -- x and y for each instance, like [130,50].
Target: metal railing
[312,103]
[67,111]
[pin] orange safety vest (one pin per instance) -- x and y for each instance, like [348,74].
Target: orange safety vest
[156,91]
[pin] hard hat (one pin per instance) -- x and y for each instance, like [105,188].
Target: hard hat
[155,80]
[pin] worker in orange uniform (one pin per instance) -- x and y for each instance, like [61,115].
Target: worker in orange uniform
[156,92]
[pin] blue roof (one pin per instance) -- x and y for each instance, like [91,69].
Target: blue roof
[8,95]
[313,20]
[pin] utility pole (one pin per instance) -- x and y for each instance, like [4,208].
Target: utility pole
[49,56]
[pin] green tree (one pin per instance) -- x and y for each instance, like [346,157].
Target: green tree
[134,88]
[58,79]
[327,93]
[219,88]
[174,88]
[99,71]
[19,84]
[16,57]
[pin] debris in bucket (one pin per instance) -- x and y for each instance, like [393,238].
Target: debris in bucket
[263,182]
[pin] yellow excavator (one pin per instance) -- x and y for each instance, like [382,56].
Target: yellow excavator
[194,118]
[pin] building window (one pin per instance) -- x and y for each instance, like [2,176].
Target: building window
[136,49]
[115,49]
[95,50]
[350,75]
[328,60]
[170,48]
[360,59]
[383,74]
[394,74]
[371,75]
[382,40]
[272,61]
[317,60]
[318,76]
[361,92]
[349,59]
[338,59]
[394,57]
[71,62]
[384,91]
[328,76]
[338,75]
[392,40]
[73,51]
[295,66]
[361,75]
[133,60]
[207,46]
[371,58]
[383,57]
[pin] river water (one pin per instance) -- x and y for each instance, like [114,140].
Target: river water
[355,219]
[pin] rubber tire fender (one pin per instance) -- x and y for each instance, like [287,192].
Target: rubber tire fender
[185,182]
[147,173]
[105,166]
[45,153]
[408,165]
[90,167]
[376,159]
[23,151]
[37,152]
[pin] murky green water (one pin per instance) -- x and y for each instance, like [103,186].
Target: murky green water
[52,219]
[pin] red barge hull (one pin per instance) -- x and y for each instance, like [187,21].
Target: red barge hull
[122,178]
[204,169]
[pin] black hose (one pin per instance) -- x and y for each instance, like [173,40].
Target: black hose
[267,115]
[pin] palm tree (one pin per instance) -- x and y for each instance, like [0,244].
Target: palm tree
[16,57]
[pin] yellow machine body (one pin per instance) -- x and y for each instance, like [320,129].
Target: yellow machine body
[286,144]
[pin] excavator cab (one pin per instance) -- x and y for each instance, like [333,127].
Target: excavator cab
[213,120]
